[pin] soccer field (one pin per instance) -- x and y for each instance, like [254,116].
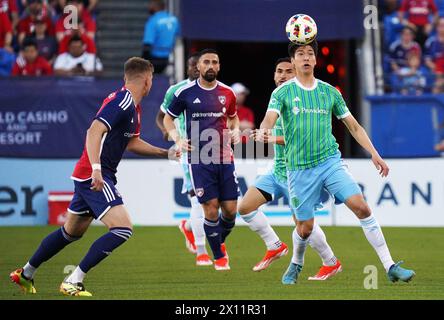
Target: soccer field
[154,264]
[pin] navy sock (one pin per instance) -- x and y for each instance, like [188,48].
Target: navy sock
[227,225]
[50,246]
[103,247]
[213,233]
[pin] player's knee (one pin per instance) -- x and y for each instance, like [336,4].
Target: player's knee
[362,210]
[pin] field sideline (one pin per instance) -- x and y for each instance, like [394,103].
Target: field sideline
[154,264]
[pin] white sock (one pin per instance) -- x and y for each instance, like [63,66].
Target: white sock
[299,246]
[76,276]
[318,242]
[28,271]
[197,226]
[374,235]
[258,222]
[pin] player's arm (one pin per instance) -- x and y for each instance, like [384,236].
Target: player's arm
[263,134]
[360,135]
[233,125]
[159,122]
[170,127]
[94,137]
[143,148]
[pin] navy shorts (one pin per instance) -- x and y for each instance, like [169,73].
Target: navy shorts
[214,181]
[94,203]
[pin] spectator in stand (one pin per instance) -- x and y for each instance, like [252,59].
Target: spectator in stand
[7,60]
[400,49]
[412,78]
[89,24]
[245,114]
[77,62]
[5,33]
[46,44]
[29,63]
[10,8]
[434,56]
[35,12]
[418,17]
[81,33]
[159,39]
[392,24]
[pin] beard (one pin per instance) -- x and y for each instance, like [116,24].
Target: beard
[210,76]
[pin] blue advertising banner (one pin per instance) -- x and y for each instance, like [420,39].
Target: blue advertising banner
[407,126]
[265,20]
[24,188]
[48,117]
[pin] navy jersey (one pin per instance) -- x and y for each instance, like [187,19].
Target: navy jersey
[206,112]
[122,118]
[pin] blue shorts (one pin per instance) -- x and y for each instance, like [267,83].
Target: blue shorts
[278,188]
[94,203]
[305,186]
[214,181]
[272,185]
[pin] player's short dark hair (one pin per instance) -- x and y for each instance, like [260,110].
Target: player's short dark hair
[136,66]
[194,55]
[280,60]
[292,47]
[29,42]
[75,38]
[206,51]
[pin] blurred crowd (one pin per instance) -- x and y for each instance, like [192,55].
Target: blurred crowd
[39,37]
[413,46]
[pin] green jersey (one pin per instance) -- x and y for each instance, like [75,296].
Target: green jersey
[306,120]
[279,168]
[169,95]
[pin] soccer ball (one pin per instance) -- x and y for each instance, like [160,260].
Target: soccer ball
[301,29]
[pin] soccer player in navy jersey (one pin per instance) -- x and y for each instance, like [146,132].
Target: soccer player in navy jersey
[212,125]
[115,128]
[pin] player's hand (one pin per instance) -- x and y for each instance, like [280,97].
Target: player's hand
[174,153]
[97,180]
[184,145]
[235,136]
[380,165]
[262,135]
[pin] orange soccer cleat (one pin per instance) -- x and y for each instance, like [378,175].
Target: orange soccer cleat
[270,256]
[326,272]
[189,237]
[203,260]
[221,264]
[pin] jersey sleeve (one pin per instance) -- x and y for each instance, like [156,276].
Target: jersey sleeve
[114,112]
[169,95]
[276,103]
[231,110]
[176,107]
[340,109]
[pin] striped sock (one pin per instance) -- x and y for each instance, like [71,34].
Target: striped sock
[48,248]
[213,232]
[103,247]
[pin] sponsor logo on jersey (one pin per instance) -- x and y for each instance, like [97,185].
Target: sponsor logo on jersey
[197,100]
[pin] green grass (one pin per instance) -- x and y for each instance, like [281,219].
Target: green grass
[154,264]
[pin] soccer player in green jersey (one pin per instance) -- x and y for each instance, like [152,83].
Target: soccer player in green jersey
[192,229]
[273,185]
[305,106]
